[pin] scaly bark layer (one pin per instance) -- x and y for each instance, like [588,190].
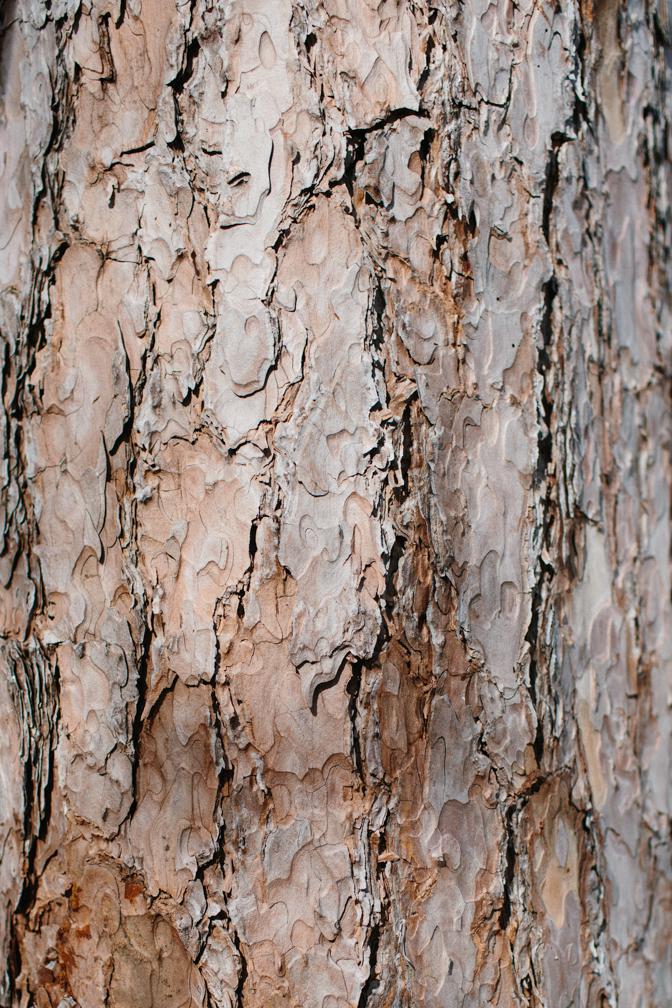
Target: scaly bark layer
[336,594]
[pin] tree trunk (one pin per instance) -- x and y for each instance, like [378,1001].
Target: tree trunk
[336,595]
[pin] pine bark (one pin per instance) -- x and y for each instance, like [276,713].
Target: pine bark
[336,597]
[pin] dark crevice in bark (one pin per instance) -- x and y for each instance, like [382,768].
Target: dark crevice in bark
[371,985]
[353,690]
[406,456]
[191,52]
[225,772]
[122,14]
[376,329]
[247,576]
[124,436]
[372,783]
[546,479]
[142,680]
[402,464]
[396,553]
[243,972]
[35,691]
[429,49]
[509,869]
[512,847]
[356,145]
[361,132]
[532,638]
[186,71]
[396,489]
[192,49]
[580,115]
[593,899]
[225,776]
[551,182]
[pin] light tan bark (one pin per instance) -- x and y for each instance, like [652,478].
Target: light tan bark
[335,614]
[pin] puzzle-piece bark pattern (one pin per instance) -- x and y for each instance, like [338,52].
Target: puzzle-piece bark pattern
[335,490]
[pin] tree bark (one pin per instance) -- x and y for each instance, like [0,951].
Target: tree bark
[336,597]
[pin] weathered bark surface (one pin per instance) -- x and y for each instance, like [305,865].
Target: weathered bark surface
[336,657]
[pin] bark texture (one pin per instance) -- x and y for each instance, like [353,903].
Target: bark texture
[335,610]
